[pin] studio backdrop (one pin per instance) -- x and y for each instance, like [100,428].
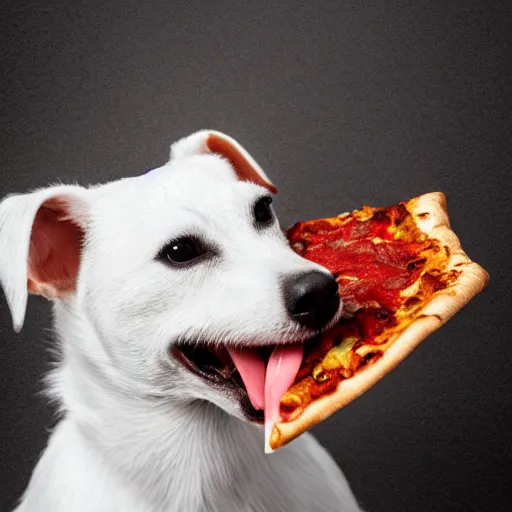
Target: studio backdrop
[342,103]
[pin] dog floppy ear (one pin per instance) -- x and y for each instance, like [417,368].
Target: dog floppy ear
[210,141]
[41,237]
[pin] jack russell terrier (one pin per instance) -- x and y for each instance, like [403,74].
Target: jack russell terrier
[159,283]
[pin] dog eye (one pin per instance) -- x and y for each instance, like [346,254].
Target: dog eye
[182,250]
[263,211]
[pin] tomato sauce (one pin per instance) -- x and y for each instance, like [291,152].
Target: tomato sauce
[374,254]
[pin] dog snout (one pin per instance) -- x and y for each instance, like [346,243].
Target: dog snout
[311,298]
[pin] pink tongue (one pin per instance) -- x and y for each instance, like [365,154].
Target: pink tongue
[251,367]
[266,386]
[282,368]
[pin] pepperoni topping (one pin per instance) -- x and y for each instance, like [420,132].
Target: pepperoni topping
[376,256]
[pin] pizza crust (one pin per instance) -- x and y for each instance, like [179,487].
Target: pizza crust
[430,214]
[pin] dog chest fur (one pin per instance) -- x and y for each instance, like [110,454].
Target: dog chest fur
[212,476]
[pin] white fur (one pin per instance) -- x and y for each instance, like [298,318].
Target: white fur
[139,432]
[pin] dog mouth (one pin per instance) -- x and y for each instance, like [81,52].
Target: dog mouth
[256,376]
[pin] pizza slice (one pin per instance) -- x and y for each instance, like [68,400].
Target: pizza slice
[402,274]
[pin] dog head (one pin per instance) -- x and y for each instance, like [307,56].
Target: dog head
[175,273]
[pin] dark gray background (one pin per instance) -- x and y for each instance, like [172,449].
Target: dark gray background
[342,104]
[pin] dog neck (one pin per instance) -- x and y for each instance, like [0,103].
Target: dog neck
[174,450]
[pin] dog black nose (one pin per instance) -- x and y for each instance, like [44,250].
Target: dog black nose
[311,298]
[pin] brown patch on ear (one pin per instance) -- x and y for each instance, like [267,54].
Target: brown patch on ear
[54,254]
[243,168]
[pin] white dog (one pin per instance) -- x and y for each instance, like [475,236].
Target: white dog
[154,280]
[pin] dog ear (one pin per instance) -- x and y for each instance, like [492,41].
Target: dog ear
[41,236]
[210,141]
